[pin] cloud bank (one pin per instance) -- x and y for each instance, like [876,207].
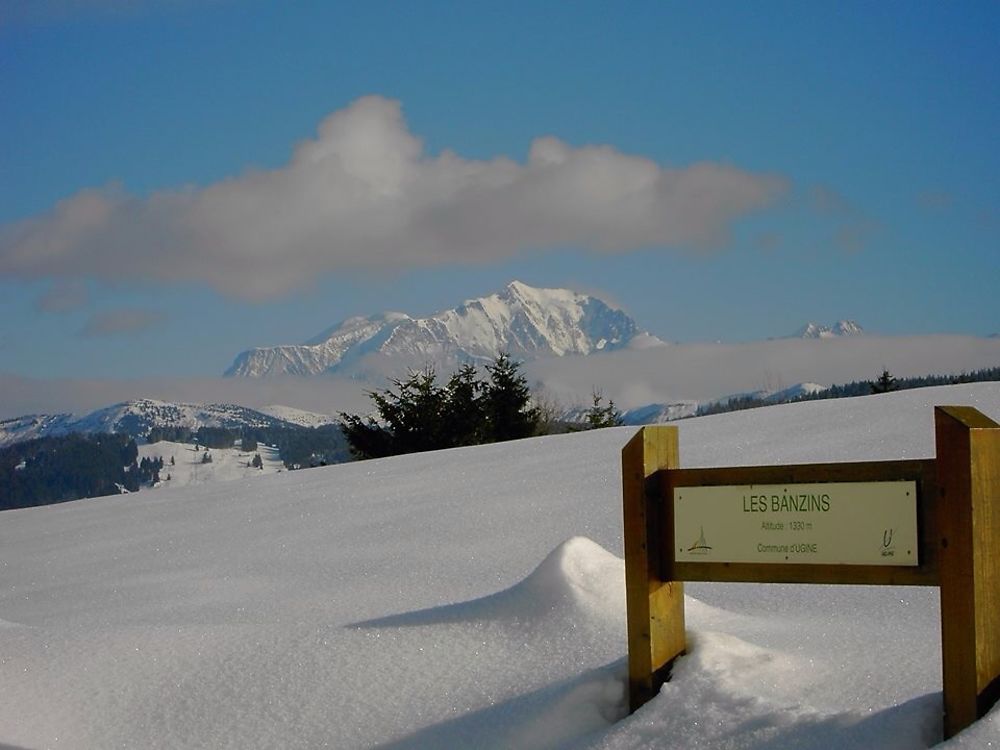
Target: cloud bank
[363,194]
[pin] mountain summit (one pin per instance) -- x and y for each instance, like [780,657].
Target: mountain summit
[817,331]
[524,321]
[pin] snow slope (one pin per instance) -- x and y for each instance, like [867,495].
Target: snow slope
[32,426]
[463,598]
[188,466]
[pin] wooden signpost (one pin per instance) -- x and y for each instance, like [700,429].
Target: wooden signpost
[932,522]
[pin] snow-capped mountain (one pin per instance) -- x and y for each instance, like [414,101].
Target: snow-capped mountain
[136,418]
[817,331]
[355,336]
[525,321]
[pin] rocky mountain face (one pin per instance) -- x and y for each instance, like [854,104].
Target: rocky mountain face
[817,331]
[524,321]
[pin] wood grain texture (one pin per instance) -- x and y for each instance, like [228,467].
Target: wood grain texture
[968,458]
[655,607]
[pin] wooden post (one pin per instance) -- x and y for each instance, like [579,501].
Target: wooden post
[655,607]
[968,467]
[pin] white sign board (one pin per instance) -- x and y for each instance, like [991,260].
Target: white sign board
[838,523]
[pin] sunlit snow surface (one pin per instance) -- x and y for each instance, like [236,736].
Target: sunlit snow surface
[189,467]
[466,598]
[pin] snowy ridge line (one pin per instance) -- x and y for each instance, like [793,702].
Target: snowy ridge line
[817,331]
[524,321]
[138,416]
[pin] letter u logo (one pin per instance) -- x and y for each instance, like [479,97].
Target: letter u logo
[887,538]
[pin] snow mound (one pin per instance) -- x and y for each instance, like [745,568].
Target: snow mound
[579,579]
[572,601]
[578,575]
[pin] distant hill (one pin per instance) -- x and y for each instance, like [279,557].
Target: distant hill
[302,438]
[136,418]
[53,458]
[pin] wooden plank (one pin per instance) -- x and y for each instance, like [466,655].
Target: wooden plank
[862,471]
[655,607]
[923,472]
[986,522]
[968,448]
[859,575]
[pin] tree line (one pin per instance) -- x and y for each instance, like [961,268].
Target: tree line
[57,469]
[884,383]
[419,414]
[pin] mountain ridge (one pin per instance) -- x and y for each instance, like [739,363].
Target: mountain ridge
[524,321]
[136,418]
[813,330]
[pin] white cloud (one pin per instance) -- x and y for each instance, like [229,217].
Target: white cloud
[364,194]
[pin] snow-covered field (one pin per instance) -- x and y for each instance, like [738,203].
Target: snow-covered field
[459,599]
[189,466]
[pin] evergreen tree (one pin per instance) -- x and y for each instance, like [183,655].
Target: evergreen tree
[413,413]
[599,416]
[885,383]
[68,467]
[410,419]
[416,414]
[507,405]
[463,408]
[257,463]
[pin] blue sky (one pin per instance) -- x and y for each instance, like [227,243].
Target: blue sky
[182,180]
